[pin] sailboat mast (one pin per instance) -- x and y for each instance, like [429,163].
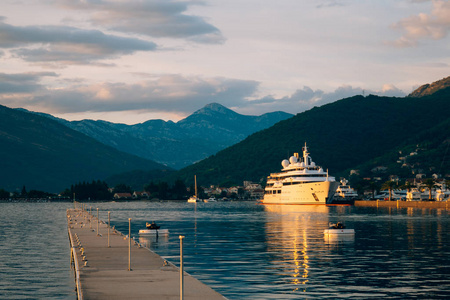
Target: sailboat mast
[195,180]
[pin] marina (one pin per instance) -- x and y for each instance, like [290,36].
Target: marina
[243,250]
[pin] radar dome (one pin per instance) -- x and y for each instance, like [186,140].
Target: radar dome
[293,159]
[285,163]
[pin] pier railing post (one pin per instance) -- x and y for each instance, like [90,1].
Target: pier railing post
[181,268]
[129,244]
[97,221]
[109,226]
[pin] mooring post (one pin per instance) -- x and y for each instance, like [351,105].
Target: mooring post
[181,268]
[109,226]
[129,244]
[97,221]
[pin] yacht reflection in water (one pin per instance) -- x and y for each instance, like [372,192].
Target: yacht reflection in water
[294,234]
[289,232]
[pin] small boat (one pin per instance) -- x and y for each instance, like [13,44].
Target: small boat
[153,230]
[339,229]
[193,199]
[211,199]
[152,225]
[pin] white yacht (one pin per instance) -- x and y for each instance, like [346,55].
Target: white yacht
[300,182]
[345,193]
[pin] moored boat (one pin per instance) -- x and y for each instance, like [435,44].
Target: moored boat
[153,229]
[339,229]
[344,194]
[153,232]
[194,197]
[300,181]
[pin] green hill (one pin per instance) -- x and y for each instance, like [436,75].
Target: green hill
[347,134]
[43,154]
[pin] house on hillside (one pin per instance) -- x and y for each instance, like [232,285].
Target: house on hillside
[140,195]
[380,169]
[257,194]
[122,196]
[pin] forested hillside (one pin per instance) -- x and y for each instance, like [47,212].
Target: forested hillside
[347,134]
[43,154]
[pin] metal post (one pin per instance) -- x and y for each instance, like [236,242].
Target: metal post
[97,221]
[181,268]
[109,226]
[129,244]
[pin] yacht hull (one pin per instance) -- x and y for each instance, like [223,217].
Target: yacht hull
[303,193]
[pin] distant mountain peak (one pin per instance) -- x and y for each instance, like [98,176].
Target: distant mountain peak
[213,108]
[429,89]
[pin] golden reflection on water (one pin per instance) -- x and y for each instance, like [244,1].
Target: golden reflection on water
[287,234]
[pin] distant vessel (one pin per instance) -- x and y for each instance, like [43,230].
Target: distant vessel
[338,228]
[153,230]
[300,182]
[344,194]
[194,198]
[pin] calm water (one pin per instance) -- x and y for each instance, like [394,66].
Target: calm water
[35,252]
[247,251]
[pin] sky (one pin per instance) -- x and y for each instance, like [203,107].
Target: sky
[129,61]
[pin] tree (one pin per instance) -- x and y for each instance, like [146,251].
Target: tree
[163,189]
[408,186]
[4,194]
[179,189]
[37,194]
[430,184]
[24,192]
[122,188]
[390,186]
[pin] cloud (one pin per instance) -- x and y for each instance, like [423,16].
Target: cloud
[67,45]
[157,18]
[169,93]
[306,98]
[435,25]
[22,83]
[330,3]
[174,94]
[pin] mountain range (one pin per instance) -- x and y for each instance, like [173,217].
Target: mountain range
[359,132]
[180,144]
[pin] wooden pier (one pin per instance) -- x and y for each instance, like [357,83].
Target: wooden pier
[404,204]
[101,272]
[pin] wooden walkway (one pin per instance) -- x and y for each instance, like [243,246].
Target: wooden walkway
[103,273]
[403,204]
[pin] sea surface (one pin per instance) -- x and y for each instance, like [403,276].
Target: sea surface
[244,250]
